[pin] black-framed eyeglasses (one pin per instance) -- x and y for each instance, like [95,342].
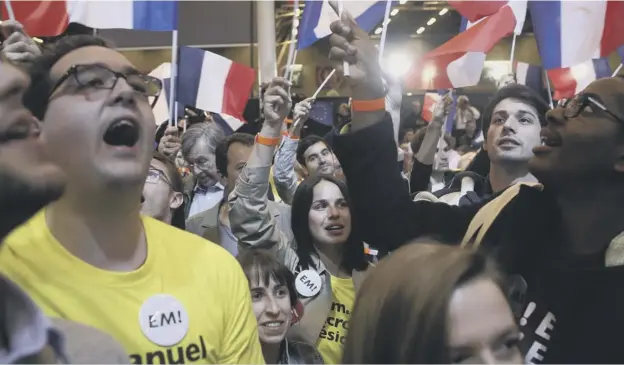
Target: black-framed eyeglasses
[99,77]
[154,175]
[573,107]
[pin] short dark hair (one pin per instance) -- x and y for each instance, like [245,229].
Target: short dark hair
[260,265]
[306,143]
[403,131]
[37,96]
[515,91]
[223,147]
[354,257]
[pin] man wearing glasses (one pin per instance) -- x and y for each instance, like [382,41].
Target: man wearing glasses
[561,243]
[166,295]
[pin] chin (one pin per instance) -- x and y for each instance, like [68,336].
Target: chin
[271,339]
[22,196]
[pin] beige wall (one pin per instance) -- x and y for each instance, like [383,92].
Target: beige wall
[310,58]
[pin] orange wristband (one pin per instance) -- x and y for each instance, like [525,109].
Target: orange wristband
[267,141]
[368,105]
[287,134]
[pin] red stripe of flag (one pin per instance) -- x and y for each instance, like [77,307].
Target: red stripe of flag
[481,37]
[475,10]
[563,81]
[237,88]
[40,18]
[613,33]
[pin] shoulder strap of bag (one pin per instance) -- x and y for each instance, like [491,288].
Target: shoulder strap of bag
[483,220]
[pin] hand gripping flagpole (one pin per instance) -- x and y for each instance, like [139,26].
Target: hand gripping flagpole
[174,73]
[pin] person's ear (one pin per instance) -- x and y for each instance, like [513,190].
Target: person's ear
[176,200]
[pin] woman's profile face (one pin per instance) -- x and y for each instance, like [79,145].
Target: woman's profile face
[329,218]
[482,329]
[272,308]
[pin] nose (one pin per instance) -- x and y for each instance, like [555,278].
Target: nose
[272,307]
[555,116]
[123,93]
[333,212]
[196,170]
[487,357]
[511,124]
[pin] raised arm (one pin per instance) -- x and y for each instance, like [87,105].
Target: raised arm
[286,180]
[251,220]
[386,215]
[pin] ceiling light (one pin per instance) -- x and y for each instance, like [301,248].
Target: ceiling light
[420,30]
[398,64]
[431,21]
[402,2]
[409,94]
[394,12]
[443,11]
[378,31]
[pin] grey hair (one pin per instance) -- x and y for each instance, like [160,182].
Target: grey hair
[210,131]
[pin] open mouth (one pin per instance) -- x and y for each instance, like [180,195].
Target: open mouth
[335,227]
[122,133]
[508,142]
[273,324]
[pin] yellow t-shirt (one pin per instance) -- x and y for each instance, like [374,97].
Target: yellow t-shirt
[188,303]
[333,336]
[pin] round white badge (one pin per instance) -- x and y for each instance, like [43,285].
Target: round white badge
[308,283]
[163,320]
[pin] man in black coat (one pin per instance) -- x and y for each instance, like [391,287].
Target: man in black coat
[563,245]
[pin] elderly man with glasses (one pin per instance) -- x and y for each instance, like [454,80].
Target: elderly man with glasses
[167,295]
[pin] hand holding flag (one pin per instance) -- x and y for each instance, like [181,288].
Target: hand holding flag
[350,43]
[18,46]
[277,102]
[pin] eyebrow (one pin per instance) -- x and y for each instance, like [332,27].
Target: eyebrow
[503,334]
[519,112]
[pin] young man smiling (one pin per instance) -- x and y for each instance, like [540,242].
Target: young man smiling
[561,244]
[167,295]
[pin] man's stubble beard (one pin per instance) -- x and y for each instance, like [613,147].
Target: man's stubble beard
[20,200]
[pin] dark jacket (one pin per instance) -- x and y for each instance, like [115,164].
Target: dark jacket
[585,297]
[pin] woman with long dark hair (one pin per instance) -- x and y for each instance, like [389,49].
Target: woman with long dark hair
[325,256]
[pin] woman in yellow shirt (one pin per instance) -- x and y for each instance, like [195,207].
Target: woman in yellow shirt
[326,256]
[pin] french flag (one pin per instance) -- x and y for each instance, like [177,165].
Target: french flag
[318,15]
[213,83]
[459,62]
[50,18]
[570,33]
[429,103]
[529,75]
[569,81]
[161,108]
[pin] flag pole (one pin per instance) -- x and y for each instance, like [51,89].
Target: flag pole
[296,122]
[513,51]
[10,12]
[345,64]
[617,70]
[550,99]
[384,28]
[293,39]
[174,73]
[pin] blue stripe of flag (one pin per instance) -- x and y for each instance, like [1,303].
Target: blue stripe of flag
[155,15]
[546,17]
[190,63]
[602,67]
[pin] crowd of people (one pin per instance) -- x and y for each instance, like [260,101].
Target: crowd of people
[123,242]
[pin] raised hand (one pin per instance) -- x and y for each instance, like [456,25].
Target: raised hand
[18,46]
[351,44]
[277,102]
[442,109]
[170,143]
[301,113]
